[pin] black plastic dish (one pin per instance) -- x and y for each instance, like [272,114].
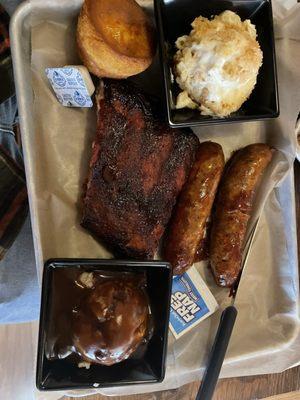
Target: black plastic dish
[173,19]
[60,374]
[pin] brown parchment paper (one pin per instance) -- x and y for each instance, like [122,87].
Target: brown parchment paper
[266,335]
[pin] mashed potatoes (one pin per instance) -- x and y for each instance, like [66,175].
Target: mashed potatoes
[216,65]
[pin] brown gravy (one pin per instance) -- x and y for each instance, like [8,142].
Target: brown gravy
[102,320]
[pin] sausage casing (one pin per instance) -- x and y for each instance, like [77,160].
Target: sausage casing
[193,207]
[233,209]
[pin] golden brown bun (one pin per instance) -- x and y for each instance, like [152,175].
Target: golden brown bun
[115,38]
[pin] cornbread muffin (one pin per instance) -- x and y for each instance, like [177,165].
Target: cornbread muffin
[216,65]
[115,38]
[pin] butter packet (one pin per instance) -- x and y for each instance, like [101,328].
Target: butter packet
[72,85]
[191,302]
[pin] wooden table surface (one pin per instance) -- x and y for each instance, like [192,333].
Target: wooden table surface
[245,388]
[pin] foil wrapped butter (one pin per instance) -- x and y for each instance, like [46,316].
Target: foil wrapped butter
[191,302]
[72,85]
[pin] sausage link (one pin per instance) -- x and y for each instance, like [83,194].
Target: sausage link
[193,208]
[233,209]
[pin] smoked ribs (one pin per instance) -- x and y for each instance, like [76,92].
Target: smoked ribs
[138,167]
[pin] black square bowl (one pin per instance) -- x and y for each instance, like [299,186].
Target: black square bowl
[150,367]
[174,18]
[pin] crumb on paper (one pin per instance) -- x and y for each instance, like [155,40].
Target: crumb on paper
[84,364]
[87,279]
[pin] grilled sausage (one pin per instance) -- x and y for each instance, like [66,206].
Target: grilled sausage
[233,209]
[193,208]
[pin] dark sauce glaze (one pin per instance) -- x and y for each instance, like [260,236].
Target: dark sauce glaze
[103,319]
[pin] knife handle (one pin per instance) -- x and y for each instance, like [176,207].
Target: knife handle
[217,354]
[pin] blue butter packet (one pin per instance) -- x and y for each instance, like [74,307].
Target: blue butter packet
[191,302]
[71,88]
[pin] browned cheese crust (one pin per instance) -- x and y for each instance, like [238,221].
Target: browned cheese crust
[193,208]
[233,209]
